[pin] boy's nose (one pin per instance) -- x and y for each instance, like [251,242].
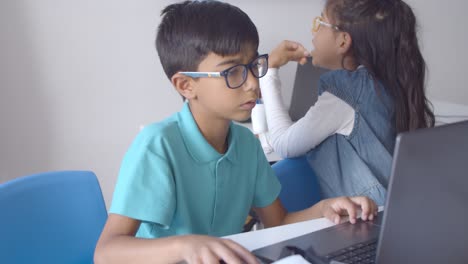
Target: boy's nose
[251,83]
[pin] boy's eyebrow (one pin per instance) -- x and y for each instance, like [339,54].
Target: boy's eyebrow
[233,61]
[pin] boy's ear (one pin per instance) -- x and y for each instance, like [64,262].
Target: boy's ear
[184,85]
[344,42]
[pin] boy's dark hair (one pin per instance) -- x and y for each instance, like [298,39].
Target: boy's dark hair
[385,42]
[190,30]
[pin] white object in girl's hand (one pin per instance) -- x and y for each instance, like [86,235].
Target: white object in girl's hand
[259,122]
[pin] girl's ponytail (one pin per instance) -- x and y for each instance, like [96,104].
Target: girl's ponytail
[410,73]
[385,42]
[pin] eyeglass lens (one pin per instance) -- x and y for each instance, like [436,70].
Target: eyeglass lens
[237,75]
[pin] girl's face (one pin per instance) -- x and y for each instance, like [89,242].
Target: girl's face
[326,44]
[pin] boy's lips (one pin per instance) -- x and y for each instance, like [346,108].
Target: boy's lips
[248,105]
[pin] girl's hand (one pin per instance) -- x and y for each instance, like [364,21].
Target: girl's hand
[205,249]
[334,208]
[287,51]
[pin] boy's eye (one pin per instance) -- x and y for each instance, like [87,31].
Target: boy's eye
[257,64]
[236,71]
[256,69]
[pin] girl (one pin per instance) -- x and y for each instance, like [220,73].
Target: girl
[375,89]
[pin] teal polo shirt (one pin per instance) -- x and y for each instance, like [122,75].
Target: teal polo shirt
[175,182]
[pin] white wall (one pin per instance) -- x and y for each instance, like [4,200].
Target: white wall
[78,78]
[444,44]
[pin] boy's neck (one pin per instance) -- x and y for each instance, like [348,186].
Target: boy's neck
[214,130]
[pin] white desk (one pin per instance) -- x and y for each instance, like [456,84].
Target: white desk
[264,237]
[446,112]
[257,239]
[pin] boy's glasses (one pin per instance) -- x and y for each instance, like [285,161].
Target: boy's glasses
[236,75]
[318,21]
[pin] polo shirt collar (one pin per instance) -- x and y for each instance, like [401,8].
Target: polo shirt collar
[200,150]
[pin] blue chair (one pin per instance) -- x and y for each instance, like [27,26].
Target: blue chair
[300,188]
[54,217]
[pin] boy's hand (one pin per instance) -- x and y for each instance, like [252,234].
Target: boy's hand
[334,208]
[287,51]
[205,249]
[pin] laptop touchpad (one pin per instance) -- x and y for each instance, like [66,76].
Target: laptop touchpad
[342,236]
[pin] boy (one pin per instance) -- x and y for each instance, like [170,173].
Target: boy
[194,177]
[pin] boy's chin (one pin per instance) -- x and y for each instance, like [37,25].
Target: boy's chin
[242,118]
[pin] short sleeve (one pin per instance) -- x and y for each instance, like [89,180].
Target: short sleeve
[267,185]
[145,186]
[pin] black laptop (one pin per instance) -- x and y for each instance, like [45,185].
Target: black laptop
[426,213]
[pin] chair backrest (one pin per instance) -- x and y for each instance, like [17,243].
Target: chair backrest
[53,217]
[299,185]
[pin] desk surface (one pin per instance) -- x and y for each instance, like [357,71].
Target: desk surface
[446,112]
[264,237]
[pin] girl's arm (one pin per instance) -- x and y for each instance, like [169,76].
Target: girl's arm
[328,116]
[118,244]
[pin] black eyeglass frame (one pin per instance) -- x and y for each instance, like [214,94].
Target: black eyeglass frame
[225,72]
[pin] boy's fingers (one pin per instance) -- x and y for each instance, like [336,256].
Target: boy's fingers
[224,252]
[350,205]
[333,216]
[371,217]
[375,209]
[209,257]
[368,206]
[241,251]
[350,208]
[365,205]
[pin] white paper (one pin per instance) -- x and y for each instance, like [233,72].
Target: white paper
[294,259]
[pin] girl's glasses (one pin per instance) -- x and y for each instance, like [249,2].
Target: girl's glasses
[318,21]
[236,75]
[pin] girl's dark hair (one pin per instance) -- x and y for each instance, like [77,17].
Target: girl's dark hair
[190,30]
[385,42]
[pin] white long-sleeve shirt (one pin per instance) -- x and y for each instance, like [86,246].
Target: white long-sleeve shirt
[330,115]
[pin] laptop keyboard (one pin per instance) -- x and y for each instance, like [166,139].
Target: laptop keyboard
[362,253]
